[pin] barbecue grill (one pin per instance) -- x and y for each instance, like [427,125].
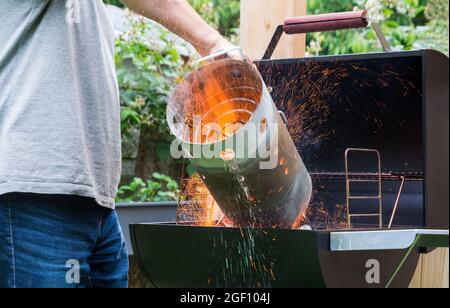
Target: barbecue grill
[372,130]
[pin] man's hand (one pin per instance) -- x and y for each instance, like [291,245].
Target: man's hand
[179,17]
[221,45]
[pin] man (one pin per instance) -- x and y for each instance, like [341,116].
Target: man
[60,138]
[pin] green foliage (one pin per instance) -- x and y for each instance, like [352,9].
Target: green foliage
[436,34]
[223,14]
[114,2]
[160,188]
[408,24]
[148,67]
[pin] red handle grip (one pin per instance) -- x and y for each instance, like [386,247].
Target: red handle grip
[326,22]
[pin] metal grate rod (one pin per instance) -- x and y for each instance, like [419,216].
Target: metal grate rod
[397,201]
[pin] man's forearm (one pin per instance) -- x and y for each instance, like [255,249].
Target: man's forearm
[179,17]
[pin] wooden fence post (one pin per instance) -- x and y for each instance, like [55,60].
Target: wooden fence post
[432,271]
[259,19]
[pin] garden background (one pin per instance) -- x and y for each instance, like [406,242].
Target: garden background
[150,62]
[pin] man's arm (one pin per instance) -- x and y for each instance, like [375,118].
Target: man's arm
[179,17]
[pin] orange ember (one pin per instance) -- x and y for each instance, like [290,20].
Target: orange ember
[198,206]
[223,97]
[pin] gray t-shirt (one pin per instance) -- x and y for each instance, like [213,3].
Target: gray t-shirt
[59,101]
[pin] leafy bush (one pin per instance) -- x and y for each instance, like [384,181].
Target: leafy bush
[114,2]
[148,67]
[408,24]
[159,188]
[436,34]
[223,14]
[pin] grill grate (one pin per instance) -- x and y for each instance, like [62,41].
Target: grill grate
[389,176]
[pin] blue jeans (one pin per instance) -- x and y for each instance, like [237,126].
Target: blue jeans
[56,241]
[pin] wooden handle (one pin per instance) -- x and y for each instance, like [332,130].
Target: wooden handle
[326,22]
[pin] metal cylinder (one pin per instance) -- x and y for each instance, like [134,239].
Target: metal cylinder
[228,126]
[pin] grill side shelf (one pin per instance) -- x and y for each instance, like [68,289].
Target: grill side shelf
[387,239]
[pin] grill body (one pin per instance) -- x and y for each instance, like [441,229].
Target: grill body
[205,257]
[394,102]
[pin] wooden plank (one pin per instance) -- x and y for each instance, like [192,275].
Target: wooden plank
[416,282]
[445,279]
[260,18]
[435,269]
